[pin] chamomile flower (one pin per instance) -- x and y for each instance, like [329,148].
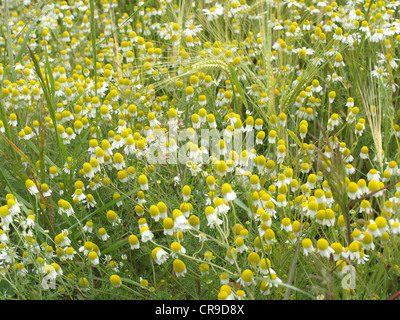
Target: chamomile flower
[88,227]
[176,249]
[323,248]
[286,225]
[179,268]
[49,279]
[31,186]
[159,255]
[103,234]
[247,278]
[115,280]
[353,252]
[212,216]
[180,221]
[307,246]
[240,245]
[186,193]
[93,258]
[143,182]
[146,234]
[228,193]
[394,226]
[134,242]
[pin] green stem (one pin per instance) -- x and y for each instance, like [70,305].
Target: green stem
[94,50]
[9,42]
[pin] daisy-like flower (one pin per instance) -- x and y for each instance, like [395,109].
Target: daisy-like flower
[168,224]
[186,193]
[113,218]
[204,269]
[93,258]
[394,226]
[192,29]
[103,234]
[363,257]
[392,168]
[231,255]
[281,200]
[31,186]
[118,161]
[79,196]
[186,209]
[88,170]
[362,187]
[227,192]
[180,221]
[247,278]
[323,248]
[304,52]
[338,250]
[134,241]
[255,182]
[13,204]
[212,216]
[62,239]
[240,245]
[316,87]
[87,247]
[146,234]
[179,268]
[353,252]
[88,227]
[269,236]
[13,120]
[214,12]
[70,253]
[307,246]
[143,182]
[272,136]
[375,186]
[154,212]
[353,191]
[65,207]
[339,61]
[49,279]
[373,174]
[273,279]
[6,217]
[159,255]
[115,281]
[286,225]
[224,278]
[319,196]
[382,225]
[388,58]
[265,267]
[201,236]
[367,240]
[3,236]
[176,249]
[226,293]
[379,72]
[265,287]
[221,206]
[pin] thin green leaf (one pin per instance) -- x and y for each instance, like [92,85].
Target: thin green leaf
[115,246]
[26,39]
[238,86]
[105,206]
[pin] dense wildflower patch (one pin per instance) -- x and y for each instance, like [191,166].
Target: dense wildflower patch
[199,149]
